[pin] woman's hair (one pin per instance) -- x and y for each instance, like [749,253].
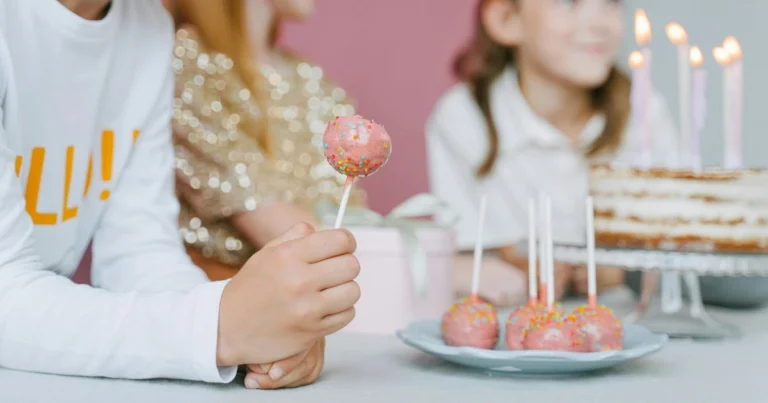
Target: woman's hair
[222,27]
[484,60]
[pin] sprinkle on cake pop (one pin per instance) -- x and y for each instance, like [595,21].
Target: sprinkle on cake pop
[604,331]
[471,321]
[552,332]
[355,147]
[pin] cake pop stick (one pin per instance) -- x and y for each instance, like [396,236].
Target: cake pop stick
[478,257]
[542,252]
[591,266]
[532,283]
[471,321]
[604,331]
[550,249]
[344,200]
[355,147]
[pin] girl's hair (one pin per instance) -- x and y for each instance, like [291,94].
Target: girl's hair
[222,27]
[484,60]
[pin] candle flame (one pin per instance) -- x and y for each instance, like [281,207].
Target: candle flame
[642,27]
[636,60]
[732,46]
[676,33]
[722,56]
[697,58]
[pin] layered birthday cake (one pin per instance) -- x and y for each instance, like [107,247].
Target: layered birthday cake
[712,210]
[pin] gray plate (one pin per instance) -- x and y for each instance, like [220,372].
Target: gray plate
[425,336]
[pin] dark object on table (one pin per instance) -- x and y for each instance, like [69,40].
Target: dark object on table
[727,292]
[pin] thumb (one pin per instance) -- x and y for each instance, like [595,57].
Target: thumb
[298,231]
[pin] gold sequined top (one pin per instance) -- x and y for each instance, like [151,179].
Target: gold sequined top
[222,170]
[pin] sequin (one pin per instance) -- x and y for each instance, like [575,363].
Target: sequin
[221,170]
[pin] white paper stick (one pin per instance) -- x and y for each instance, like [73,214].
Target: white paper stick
[550,253]
[478,261]
[344,200]
[591,266]
[542,242]
[532,284]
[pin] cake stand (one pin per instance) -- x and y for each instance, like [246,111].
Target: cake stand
[671,315]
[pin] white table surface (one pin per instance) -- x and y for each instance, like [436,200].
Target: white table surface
[367,368]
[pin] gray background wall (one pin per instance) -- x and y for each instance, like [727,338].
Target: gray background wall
[707,23]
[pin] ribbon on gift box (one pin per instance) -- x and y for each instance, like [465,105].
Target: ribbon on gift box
[402,219]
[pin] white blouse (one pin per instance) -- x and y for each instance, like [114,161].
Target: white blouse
[534,157]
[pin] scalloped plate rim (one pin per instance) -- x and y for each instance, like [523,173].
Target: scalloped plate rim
[428,346]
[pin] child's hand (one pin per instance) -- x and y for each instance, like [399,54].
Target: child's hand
[563,278]
[297,290]
[607,277]
[300,370]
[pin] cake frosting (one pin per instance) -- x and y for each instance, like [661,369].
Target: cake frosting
[678,209]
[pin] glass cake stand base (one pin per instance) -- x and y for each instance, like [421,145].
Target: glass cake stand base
[669,313]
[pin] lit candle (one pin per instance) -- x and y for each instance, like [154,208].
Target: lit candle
[643,37]
[698,105]
[636,63]
[677,35]
[731,45]
[724,59]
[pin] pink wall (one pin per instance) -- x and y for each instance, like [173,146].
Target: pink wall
[394,58]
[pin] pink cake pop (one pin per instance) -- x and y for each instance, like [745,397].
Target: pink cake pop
[555,333]
[471,322]
[549,330]
[520,319]
[355,147]
[604,331]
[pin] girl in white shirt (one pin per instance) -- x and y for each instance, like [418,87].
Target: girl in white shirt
[540,99]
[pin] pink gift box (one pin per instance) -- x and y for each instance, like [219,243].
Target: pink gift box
[390,296]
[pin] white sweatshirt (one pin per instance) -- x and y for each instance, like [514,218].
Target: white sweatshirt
[85,140]
[534,157]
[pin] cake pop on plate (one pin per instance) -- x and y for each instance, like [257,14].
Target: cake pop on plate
[471,321]
[549,330]
[604,331]
[520,319]
[355,147]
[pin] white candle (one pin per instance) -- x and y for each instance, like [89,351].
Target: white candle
[532,285]
[698,105]
[732,46]
[677,35]
[643,37]
[724,59]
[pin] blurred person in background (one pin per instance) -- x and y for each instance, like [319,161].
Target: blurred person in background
[248,122]
[540,99]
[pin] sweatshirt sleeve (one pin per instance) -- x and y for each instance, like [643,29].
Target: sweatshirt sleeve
[49,324]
